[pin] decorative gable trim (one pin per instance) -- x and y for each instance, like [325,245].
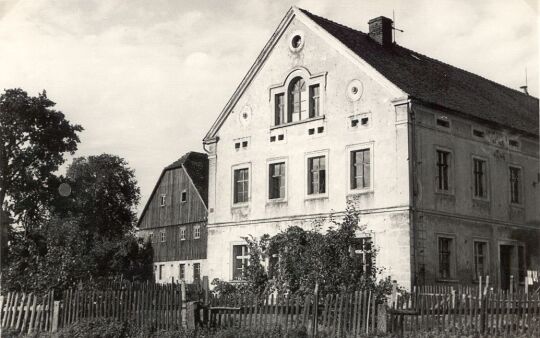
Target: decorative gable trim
[292,13]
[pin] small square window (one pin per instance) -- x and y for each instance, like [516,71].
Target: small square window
[272,139]
[443,122]
[478,133]
[183,196]
[311,131]
[364,121]
[514,143]
[320,130]
[237,145]
[354,122]
[244,144]
[197,232]
[280,137]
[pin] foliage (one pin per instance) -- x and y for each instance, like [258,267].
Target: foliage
[34,138]
[308,257]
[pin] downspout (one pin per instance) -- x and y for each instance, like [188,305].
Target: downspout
[411,123]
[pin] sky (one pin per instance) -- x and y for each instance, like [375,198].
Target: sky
[146,79]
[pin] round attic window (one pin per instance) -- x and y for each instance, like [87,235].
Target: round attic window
[245,115]
[296,41]
[355,90]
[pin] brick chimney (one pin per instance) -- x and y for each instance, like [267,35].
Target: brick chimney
[380,30]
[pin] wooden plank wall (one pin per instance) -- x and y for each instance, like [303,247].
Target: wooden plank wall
[174,249]
[172,183]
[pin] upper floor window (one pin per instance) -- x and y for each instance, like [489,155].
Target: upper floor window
[317,175]
[197,232]
[300,97]
[480,178]
[241,185]
[182,233]
[162,234]
[443,170]
[162,200]
[276,180]
[360,169]
[515,185]
[183,196]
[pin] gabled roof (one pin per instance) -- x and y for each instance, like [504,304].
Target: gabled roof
[438,83]
[195,165]
[420,77]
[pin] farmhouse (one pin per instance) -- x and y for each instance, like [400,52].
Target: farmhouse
[442,163]
[174,219]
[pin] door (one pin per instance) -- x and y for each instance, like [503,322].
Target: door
[506,265]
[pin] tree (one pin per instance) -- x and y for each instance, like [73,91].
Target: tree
[34,138]
[104,195]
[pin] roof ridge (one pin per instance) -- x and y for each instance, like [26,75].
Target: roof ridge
[424,55]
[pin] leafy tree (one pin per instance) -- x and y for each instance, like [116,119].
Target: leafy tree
[34,138]
[300,258]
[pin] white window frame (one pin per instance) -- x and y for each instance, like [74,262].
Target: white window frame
[196,232]
[486,256]
[354,147]
[283,88]
[487,178]
[182,194]
[162,236]
[182,233]
[232,258]
[313,154]
[269,162]
[163,200]
[451,170]
[200,270]
[182,271]
[250,180]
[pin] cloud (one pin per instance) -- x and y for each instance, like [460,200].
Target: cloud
[138,74]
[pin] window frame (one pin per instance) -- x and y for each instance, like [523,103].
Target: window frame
[486,255]
[367,266]
[451,260]
[162,200]
[182,233]
[349,150]
[520,187]
[233,258]
[195,266]
[162,236]
[446,119]
[196,231]
[182,271]
[487,180]
[270,162]
[233,187]
[307,157]
[183,194]
[450,190]
[283,88]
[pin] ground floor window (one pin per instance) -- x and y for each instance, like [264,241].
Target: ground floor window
[240,261]
[445,257]
[361,250]
[160,276]
[196,271]
[182,272]
[480,259]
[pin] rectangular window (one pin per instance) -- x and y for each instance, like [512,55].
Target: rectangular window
[182,233]
[317,175]
[314,98]
[480,178]
[443,122]
[515,185]
[240,261]
[480,260]
[360,169]
[276,180]
[522,266]
[196,271]
[162,233]
[151,237]
[362,252]
[443,165]
[197,232]
[162,200]
[445,256]
[182,272]
[279,109]
[183,196]
[241,185]
[160,277]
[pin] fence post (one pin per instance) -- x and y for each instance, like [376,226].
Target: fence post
[381,318]
[184,303]
[55,316]
[191,315]
[314,322]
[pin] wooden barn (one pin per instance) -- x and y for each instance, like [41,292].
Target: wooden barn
[175,218]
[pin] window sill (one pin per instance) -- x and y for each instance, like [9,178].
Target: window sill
[240,205]
[484,200]
[284,125]
[357,192]
[444,193]
[276,201]
[517,205]
[316,197]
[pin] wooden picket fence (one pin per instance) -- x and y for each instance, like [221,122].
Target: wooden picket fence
[467,311]
[350,314]
[27,312]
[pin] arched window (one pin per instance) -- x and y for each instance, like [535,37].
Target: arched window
[297,100]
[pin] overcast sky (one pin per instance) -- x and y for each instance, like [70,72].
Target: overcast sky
[146,79]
